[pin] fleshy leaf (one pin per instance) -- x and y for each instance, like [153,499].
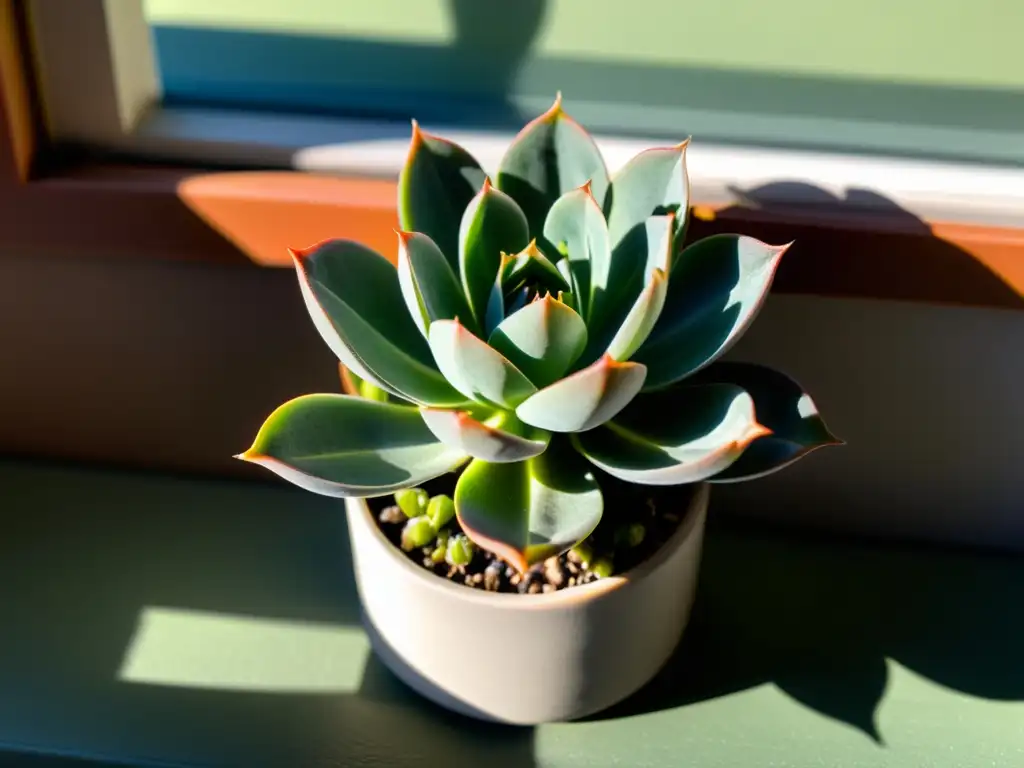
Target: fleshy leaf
[476,370]
[491,440]
[646,250]
[491,225]
[576,225]
[429,286]
[543,339]
[437,182]
[550,156]
[677,436]
[495,311]
[653,182]
[641,319]
[338,445]
[531,510]
[355,302]
[783,406]
[531,266]
[585,399]
[716,288]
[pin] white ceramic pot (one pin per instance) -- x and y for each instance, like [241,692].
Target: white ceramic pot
[525,659]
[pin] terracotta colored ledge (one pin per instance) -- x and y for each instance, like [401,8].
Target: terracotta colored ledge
[253,217]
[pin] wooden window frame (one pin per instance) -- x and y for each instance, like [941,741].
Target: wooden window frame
[54,203]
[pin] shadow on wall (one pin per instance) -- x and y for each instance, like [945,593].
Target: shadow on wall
[879,243]
[927,397]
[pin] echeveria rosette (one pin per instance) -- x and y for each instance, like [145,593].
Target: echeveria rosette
[537,332]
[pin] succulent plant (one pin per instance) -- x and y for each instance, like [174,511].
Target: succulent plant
[536,326]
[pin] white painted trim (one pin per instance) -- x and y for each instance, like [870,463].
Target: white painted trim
[983,194]
[95,65]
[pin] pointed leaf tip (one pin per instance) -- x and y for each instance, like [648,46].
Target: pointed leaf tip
[338,445]
[756,430]
[717,287]
[556,109]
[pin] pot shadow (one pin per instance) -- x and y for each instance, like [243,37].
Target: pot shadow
[878,242]
[149,618]
[819,618]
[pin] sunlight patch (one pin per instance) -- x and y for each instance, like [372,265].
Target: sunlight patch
[198,649]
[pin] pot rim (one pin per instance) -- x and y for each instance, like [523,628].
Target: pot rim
[554,600]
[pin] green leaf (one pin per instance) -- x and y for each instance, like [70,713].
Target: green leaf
[441,511]
[682,435]
[653,182]
[495,311]
[355,302]
[576,225]
[429,286]
[783,406]
[458,551]
[552,155]
[437,182]
[412,501]
[531,266]
[339,445]
[476,370]
[491,225]
[646,251]
[641,319]
[585,399]
[495,440]
[716,288]
[531,510]
[543,339]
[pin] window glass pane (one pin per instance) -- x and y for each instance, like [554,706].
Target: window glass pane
[910,77]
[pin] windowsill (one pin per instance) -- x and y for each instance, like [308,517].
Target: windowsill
[880,228]
[207,628]
[721,174]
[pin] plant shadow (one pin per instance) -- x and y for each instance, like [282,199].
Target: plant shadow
[847,245]
[819,618]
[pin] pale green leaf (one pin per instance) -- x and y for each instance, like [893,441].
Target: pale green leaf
[783,406]
[531,266]
[576,225]
[475,369]
[436,183]
[429,286]
[652,182]
[528,511]
[683,435]
[491,225]
[543,339]
[716,288]
[495,440]
[552,155]
[355,301]
[640,320]
[585,399]
[339,445]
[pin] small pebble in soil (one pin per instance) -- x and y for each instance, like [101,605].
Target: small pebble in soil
[607,551]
